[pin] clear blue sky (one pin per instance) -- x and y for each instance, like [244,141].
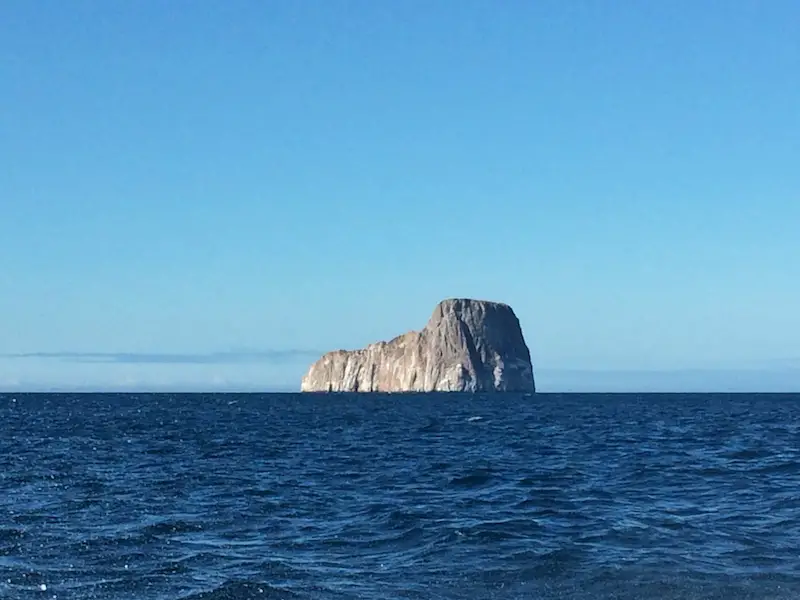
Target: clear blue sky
[179,180]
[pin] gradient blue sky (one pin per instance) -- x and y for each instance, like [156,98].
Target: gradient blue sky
[207,194]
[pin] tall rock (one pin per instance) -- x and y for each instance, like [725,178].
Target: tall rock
[467,346]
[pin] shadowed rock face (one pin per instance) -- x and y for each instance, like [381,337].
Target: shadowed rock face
[467,346]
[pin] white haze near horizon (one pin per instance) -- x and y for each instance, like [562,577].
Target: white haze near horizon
[262,375]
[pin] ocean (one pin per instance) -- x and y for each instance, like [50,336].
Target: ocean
[239,496]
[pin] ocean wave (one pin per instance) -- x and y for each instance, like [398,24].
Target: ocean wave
[337,498]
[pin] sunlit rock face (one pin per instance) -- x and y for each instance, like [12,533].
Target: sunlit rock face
[467,346]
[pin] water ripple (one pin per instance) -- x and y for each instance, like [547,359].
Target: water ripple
[441,496]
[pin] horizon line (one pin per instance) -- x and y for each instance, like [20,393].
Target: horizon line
[297,391]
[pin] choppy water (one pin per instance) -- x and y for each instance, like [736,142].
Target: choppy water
[431,496]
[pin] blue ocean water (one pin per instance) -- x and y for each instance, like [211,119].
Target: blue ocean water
[231,497]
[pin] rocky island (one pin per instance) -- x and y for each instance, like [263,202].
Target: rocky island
[467,346]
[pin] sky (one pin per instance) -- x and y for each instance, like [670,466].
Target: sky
[210,195]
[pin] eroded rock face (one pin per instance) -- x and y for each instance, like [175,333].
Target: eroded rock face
[467,346]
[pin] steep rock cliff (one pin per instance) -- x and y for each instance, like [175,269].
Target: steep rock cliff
[467,346]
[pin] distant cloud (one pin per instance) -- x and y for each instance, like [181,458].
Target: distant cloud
[208,358]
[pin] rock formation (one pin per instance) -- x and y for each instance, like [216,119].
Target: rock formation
[467,346]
